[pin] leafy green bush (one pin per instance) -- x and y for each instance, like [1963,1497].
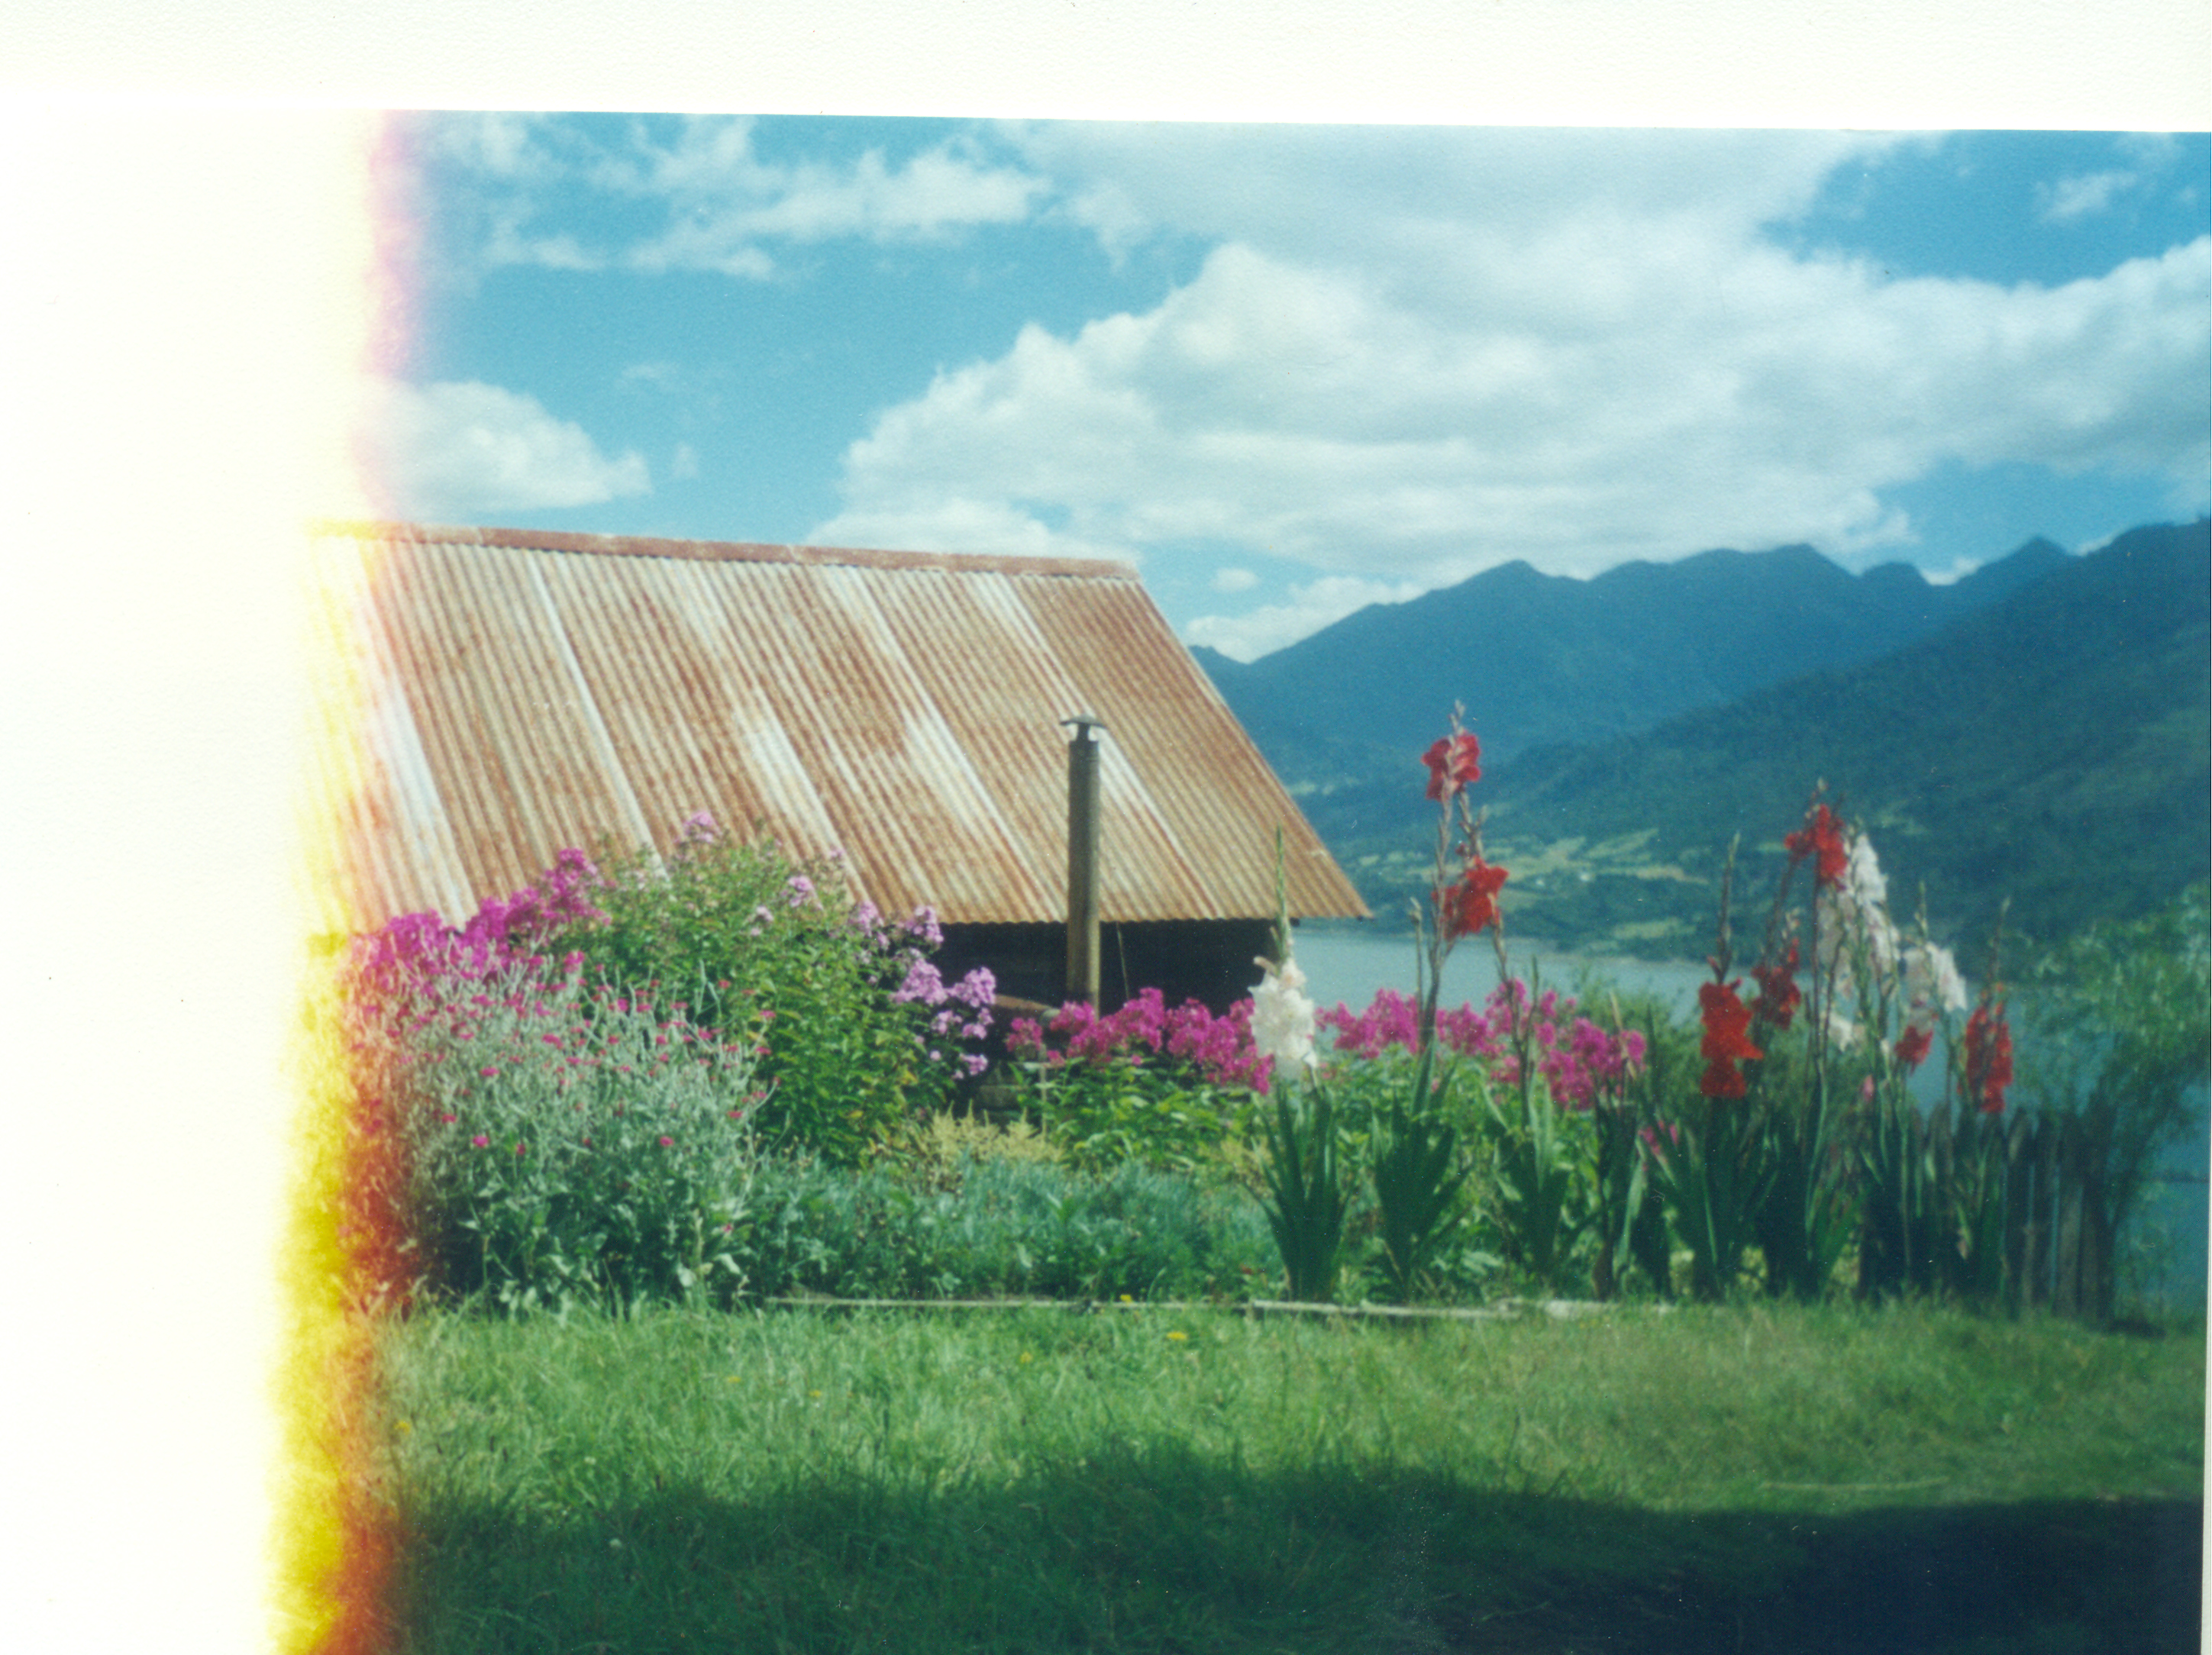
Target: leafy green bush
[2122,1017]
[939,1148]
[556,1156]
[857,1030]
[1007,1227]
[1170,1089]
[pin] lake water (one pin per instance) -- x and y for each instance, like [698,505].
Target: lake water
[1346,964]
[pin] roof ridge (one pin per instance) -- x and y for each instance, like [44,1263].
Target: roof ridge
[723,551]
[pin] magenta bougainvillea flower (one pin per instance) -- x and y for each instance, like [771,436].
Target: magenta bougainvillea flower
[1221,1048]
[1576,1059]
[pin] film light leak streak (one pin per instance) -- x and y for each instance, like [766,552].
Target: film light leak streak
[334,1546]
[336,1540]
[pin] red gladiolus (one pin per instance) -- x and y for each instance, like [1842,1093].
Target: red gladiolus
[1471,905]
[1821,837]
[1721,1079]
[1453,764]
[1779,997]
[1727,1041]
[1912,1046]
[1989,1058]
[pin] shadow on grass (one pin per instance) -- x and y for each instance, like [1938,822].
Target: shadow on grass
[1161,1551]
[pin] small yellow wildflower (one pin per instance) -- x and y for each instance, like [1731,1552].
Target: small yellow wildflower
[1177,1333]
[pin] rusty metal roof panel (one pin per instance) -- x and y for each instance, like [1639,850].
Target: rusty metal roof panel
[513,692]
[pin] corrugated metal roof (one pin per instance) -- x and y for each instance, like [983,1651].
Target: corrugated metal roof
[498,694]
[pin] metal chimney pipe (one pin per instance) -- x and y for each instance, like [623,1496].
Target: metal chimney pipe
[1083,859]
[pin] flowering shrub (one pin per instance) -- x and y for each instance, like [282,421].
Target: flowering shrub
[562,1094]
[1574,1060]
[1164,1087]
[860,1030]
[555,1146]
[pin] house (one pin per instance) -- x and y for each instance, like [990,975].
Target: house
[497,694]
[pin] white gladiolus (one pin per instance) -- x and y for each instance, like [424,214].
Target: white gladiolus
[1860,901]
[1864,880]
[1283,1018]
[1932,978]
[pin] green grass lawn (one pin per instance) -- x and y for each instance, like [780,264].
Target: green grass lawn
[1145,1480]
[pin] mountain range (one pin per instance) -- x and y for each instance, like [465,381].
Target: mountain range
[2040,730]
[1544,659]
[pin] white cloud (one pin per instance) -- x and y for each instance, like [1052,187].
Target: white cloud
[1959,569]
[2081,196]
[712,201]
[685,464]
[1312,606]
[2085,195]
[1359,195]
[1415,357]
[954,522]
[460,452]
[1233,580]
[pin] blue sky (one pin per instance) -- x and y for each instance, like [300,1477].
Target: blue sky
[1289,370]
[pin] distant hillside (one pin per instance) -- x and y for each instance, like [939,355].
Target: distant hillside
[1542,660]
[2054,746]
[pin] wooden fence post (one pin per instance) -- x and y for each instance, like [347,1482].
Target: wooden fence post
[2019,1192]
[2068,1296]
[2043,1148]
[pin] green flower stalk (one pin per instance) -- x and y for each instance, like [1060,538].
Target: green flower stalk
[1307,1198]
[1306,1195]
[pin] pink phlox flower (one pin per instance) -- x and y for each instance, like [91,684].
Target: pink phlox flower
[1471,1033]
[1391,1019]
[924,984]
